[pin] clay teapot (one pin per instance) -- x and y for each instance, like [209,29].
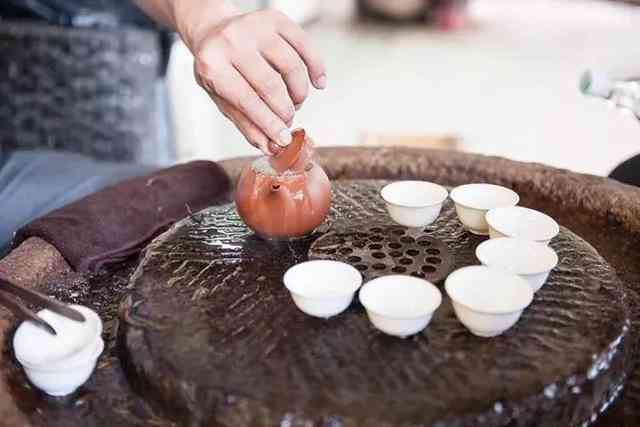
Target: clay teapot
[287,195]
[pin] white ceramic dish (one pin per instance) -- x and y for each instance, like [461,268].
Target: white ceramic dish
[322,288]
[488,301]
[533,261]
[414,203]
[473,201]
[61,382]
[523,223]
[400,305]
[34,347]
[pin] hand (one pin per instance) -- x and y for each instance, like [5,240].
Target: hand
[256,66]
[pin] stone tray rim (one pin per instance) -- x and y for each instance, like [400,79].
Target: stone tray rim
[578,379]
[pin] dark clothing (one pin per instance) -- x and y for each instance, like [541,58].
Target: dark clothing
[34,183]
[118,221]
[77,13]
[87,13]
[628,171]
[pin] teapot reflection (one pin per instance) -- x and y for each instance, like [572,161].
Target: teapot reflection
[287,195]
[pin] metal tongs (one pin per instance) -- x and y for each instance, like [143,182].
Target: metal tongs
[7,289]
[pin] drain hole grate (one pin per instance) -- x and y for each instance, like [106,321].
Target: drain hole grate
[428,269]
[387,249]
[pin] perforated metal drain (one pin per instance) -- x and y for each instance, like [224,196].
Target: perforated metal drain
[387,249]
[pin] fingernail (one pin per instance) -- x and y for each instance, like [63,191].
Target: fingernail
[284,138]
[298,106]
[321,82]
[273,148]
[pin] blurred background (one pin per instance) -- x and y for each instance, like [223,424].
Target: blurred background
[497,77]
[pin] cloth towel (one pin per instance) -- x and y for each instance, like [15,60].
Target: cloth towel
[116,222]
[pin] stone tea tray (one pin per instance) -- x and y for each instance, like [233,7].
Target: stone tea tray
[213,336]
[207,335]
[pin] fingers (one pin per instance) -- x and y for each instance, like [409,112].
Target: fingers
[251,132]
[298,39]
[288,63]
[257,68]
[266,82]
[228,84]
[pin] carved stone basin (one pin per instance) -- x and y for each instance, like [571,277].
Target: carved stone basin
[191,309]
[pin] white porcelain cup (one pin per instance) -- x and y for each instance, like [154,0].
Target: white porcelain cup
[400,305]
[414,203]
[523,223]
[473,201]
[322,288]
[77,358]
[488,301]
[35,347]
[63,381]
[533,261]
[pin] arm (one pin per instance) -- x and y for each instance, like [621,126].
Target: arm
[256,67]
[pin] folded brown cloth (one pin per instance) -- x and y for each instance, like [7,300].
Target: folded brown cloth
[116,222]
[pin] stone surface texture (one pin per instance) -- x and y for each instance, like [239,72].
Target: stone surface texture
[605,213]
[33,263]
[212,336]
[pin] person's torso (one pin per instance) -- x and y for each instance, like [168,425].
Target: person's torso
[77,13]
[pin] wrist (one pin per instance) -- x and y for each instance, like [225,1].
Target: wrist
[194,18]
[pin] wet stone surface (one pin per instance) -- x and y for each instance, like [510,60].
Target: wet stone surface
[106,399]
[211,336]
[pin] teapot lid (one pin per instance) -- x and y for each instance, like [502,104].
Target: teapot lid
[295,156]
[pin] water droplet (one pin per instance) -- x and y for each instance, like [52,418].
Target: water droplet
[550,391]
[287,421]
[593,372]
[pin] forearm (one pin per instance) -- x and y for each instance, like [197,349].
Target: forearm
[186,16]
[161,11]
[255,66]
